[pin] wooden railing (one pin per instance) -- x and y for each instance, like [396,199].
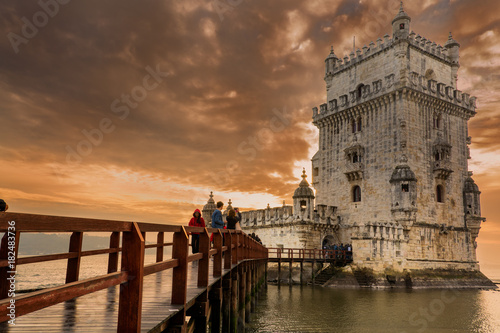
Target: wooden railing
[309,254]
[238,246]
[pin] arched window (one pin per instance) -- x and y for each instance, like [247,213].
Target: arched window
[437,121]
[355,158]
[303,205]
[440,193]
[360,90]
[356,125]
[356,194]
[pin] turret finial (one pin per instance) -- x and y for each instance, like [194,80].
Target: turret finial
[304,176]
[401,7]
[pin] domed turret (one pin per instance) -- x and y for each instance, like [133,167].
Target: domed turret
[402,173]
[471,197]
[208,209]
[401,24]
[303,191]
[303,200]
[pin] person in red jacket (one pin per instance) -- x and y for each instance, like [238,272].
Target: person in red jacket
[196,221]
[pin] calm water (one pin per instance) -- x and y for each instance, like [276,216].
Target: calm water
[317,309]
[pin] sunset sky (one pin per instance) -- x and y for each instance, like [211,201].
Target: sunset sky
[136,110]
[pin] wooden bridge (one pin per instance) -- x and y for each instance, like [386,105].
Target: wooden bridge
[214,289]
[313,256]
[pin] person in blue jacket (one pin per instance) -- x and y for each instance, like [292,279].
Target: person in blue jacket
[217,221]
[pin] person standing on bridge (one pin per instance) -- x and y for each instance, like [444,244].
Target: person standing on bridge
[233,222]
[217,221]
[196,221]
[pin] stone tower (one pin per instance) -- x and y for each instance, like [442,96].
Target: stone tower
[393,154]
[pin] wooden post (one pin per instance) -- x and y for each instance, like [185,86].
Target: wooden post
[218,255]
[180,251]
[290,272]
[130,304]
[204,263]
[73,267]
[179,275]
[229,252]
[160,239]
[5,248]
[235,252]
[114,243]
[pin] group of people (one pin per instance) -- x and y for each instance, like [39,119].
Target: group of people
[233,219]
[255,237]
[340,250]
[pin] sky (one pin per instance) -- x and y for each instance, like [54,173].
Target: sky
[136,110]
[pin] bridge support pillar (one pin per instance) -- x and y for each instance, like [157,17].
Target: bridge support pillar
[200,312]
[241,299]
[234,301]
[215,301]
[248,291]
[301,272]
[254,287]
[226,303]
[279,272]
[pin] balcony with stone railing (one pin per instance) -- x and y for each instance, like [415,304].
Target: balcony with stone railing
[353,171]
[442,169]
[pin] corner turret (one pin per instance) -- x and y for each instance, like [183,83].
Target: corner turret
[453,47]
[401,25]
[330,63]
[303,199]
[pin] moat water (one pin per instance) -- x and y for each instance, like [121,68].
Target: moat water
[318,309]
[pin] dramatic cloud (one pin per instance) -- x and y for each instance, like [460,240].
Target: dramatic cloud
[136,110]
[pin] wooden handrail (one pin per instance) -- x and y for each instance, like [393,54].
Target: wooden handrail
[233,244]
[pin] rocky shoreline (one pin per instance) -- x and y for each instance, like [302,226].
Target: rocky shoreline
[353,277]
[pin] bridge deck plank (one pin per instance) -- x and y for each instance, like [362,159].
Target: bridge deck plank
[98,312]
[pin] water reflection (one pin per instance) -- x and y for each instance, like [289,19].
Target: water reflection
[313,309]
